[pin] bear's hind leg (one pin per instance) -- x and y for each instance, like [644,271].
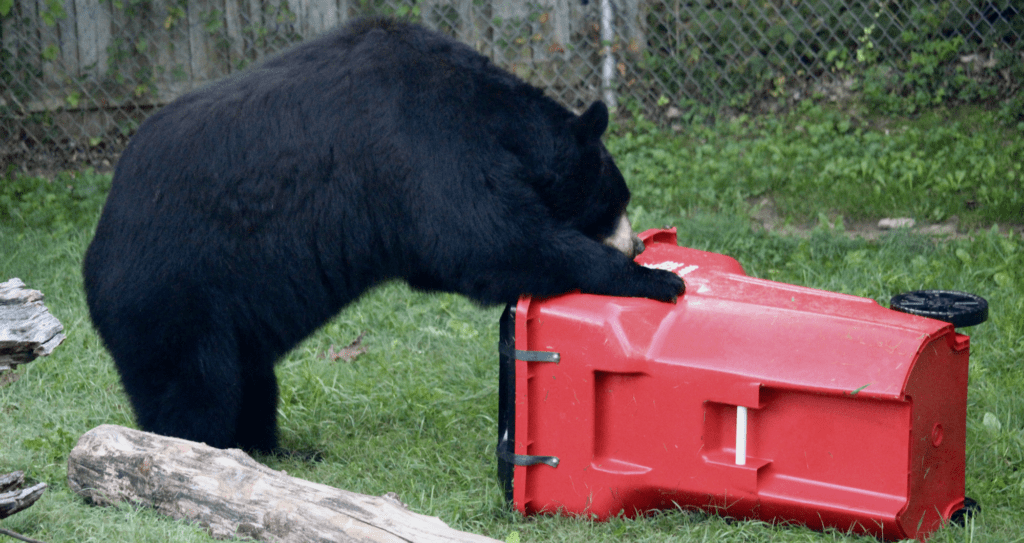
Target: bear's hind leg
[256,428]
[194,395]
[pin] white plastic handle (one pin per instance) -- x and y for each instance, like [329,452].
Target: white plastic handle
[741,435]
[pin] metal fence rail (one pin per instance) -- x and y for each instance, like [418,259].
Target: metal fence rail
[81,74]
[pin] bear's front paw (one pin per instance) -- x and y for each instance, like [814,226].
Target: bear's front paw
[659,285]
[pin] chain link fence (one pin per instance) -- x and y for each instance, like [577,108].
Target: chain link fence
[77,76]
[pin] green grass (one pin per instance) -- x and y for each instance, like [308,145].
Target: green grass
[818,160]
[69,200]
[416,414]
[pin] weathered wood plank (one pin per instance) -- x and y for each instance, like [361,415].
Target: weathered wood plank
[233,29]
[236,496]
[252,13]
[21,41]
[93,27]
[169,37]
[323,16]
[301,10]
[67,40]
[203,65]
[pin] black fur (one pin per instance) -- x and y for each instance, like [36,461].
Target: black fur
[246,214]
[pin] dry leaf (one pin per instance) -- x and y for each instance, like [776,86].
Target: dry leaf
[348,353]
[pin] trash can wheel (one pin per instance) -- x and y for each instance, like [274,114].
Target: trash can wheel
[970,508]
[952,306]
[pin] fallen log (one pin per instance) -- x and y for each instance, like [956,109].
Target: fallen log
[27,329]
[234,496]
[13,498]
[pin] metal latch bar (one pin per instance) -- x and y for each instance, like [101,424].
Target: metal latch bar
[529,356]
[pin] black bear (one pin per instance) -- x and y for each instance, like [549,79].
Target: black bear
[246,214]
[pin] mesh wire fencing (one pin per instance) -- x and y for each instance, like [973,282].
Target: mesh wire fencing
[77,76]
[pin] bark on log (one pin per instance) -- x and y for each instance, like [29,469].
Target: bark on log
[27,329]
[235,496]
[13,498]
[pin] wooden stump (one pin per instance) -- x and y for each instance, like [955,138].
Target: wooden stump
[235,496]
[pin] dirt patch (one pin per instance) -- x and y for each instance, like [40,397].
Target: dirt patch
[764,215]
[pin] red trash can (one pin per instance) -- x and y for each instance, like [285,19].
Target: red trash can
[748,398]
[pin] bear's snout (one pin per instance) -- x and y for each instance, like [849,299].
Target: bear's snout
[624,239]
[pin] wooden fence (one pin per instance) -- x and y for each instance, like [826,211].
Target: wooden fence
[69,60]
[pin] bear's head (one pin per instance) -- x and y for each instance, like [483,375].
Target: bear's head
[598,193]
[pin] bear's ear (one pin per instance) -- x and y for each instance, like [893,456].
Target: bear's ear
[592,124]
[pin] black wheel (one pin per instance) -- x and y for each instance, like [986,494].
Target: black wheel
[961,515]
[952,306]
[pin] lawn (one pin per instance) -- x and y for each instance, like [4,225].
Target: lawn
[416,414]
